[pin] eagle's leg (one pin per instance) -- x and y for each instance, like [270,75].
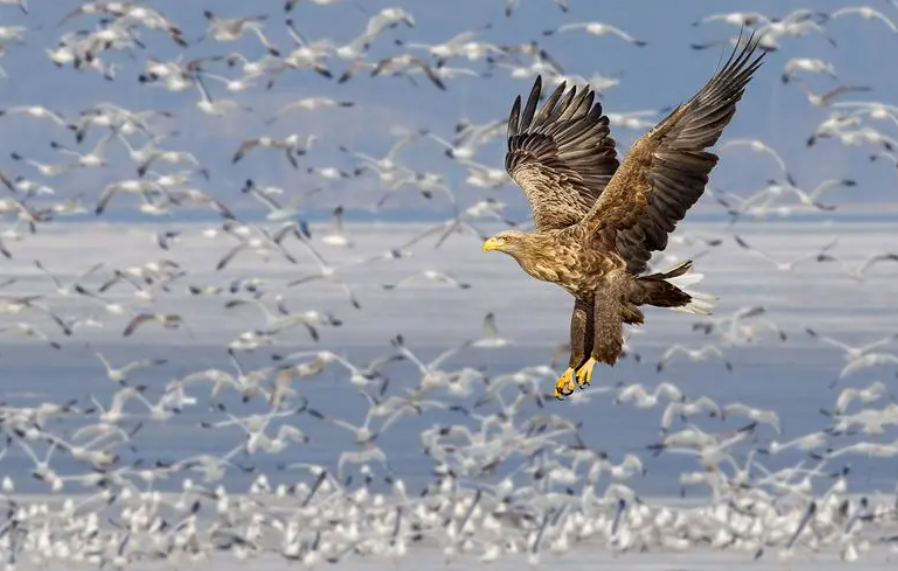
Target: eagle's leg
[582,336]
[608,341]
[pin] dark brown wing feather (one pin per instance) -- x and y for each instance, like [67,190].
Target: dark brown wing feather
[561,156]
[666,171]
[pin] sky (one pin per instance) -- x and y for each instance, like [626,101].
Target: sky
[663,73]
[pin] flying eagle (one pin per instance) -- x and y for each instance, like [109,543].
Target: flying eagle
[597,220]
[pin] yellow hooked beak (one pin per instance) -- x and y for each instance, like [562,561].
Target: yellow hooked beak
[492,244]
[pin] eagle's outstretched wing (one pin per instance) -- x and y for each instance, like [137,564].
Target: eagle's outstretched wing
[560,156]
[666,170]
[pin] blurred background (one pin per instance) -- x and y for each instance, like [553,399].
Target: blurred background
[257,182]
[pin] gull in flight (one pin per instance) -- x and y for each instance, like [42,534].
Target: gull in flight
[740,19]
[29,331]
[824,99]
[867,13]
[597,29]
[120,374]
[94,158]
[263,243]
[429,275]
[812,65]
[215,107]
[166,320]
[338,236]
[849,352]
[290,145]
[758,146]
[73,286]
[867,395]
[640,398]
[510,6]
[329,272]
[284,320]
[231,29]
[491,338]
[867,361]
[858,273]
[36,111]
[701,354]
[812,198]
[779,265]
[309,104]
[276,212]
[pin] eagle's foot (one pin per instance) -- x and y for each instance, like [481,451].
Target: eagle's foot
[584,373]
[565,385]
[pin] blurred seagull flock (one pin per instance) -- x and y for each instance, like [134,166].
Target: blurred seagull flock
[245,313]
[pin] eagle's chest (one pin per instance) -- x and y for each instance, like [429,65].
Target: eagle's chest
[577,269]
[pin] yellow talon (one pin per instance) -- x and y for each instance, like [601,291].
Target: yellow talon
[584,374]
[565,385]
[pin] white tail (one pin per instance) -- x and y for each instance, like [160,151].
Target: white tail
[702,303]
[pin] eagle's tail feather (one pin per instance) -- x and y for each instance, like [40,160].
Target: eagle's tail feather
[670,289]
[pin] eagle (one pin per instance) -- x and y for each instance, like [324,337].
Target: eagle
[597,220]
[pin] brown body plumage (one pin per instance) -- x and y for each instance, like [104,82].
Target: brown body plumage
[598,220]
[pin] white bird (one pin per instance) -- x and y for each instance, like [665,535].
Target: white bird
[290,145]
[870,449]
[806,443]
[491,338]
[740,19]
[780,265]
[812,65]
[215,107]
[36,111]
[120,374]
[637,394]
[431,374]
[166,320]
[867,395]
[338,236]
[28,331]
[330,272]
[231,29]
[115,413]
[853,352]
[700,354]
[276,211]
[824,99]
[758,415]
[510,6]
[759,146]
[428,275]
[451,48]
[812,198]
[597,29]
[387,163]
[867,361]
[310,104]
[858,272]
[73,286]
[684,409]
[867,13]
[281,322]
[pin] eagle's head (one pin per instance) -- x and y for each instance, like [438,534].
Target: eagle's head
[522,246]
[509,241]
[535,252]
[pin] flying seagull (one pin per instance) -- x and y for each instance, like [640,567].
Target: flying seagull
[597,220]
